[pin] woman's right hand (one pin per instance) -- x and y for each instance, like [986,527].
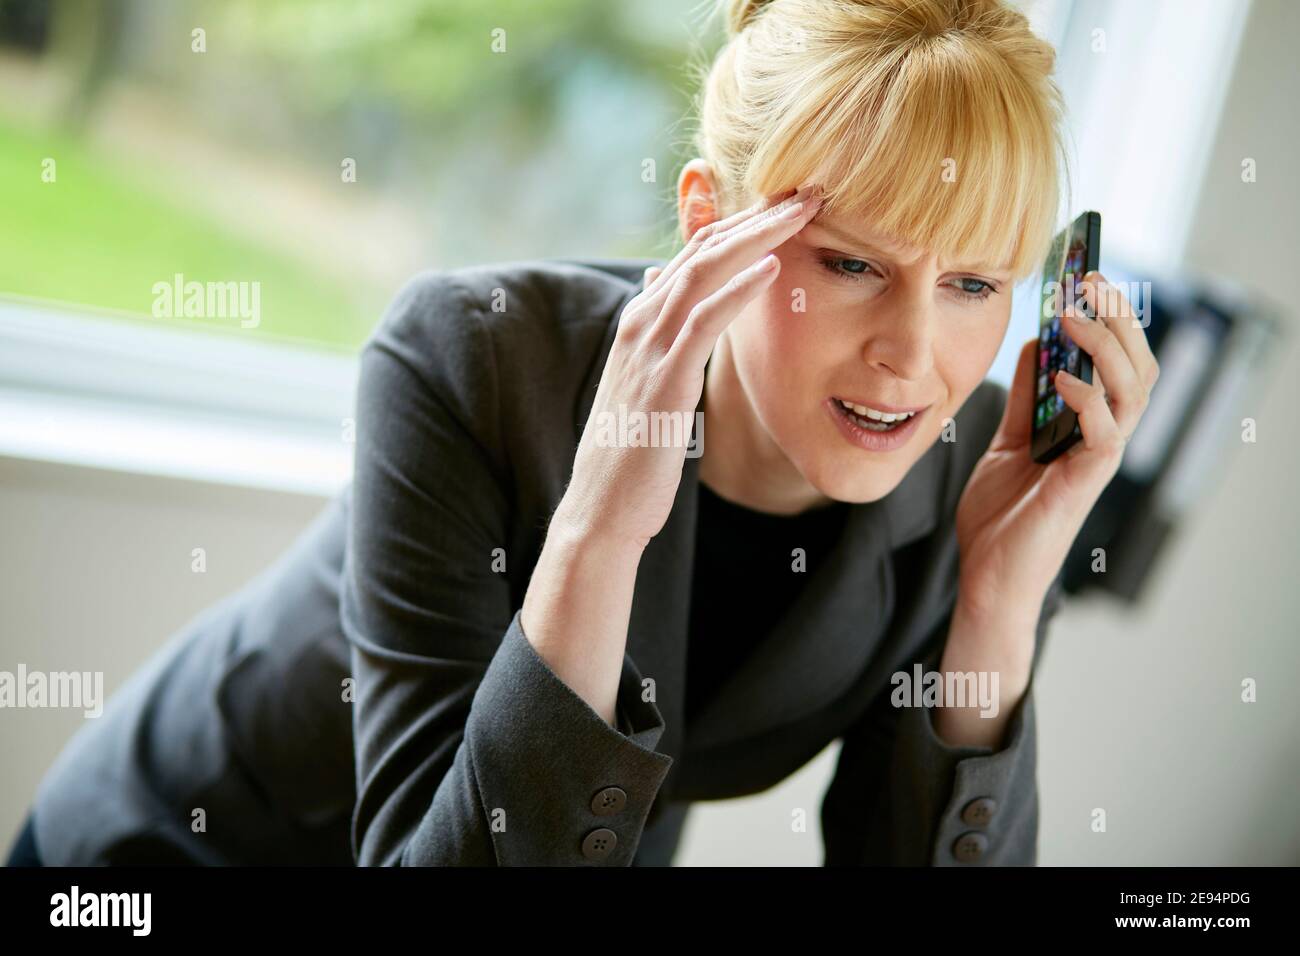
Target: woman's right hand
[621,494]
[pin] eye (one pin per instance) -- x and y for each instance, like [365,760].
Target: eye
[854,270]
[972,289]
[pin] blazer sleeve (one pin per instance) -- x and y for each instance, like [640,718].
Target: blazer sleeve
[469,749]
[900,795]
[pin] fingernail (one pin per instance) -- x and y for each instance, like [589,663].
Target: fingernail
[1063,374]
[794,212]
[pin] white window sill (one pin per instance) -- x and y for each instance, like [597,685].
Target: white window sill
[184,404]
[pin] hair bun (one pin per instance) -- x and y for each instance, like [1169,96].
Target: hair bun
[740,13]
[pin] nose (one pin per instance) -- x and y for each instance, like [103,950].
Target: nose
[899,341]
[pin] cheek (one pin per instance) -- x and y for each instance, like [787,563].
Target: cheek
[779,346]
[964,362]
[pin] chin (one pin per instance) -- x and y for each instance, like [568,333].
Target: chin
[855,482]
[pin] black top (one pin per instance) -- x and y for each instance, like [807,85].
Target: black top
[746,577]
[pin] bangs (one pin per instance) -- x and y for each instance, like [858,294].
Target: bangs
[937,144]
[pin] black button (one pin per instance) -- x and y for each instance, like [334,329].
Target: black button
[970,847]
[599,844]
[608,801]
[979,811]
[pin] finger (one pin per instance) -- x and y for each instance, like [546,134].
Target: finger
[725,255]
[1119,379]
[765,208]
[699,334]
[1017,418]
[1113,308]
[1102,438]
[647,278]
[701,234]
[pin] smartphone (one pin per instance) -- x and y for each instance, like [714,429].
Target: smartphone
[1074,253]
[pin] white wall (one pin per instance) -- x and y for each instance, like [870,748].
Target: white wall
[95,572]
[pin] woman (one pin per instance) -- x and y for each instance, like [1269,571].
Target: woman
[531,654]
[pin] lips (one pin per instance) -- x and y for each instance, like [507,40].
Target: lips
[877,412]
[868,434]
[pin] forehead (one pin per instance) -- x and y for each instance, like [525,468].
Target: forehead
[857,233]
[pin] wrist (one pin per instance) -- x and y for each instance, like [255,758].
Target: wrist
[572,534]
[993,611]
[1001,640]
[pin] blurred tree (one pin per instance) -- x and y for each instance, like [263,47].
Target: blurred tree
[437,60]
[25,24]
[86,39]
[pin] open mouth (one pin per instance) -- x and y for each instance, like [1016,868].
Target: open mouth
[874,430]
[873,420]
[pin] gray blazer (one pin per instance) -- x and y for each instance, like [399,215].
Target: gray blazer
[372,699]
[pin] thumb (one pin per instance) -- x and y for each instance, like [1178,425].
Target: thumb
[651,273]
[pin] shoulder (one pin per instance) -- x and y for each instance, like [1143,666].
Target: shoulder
[982,412]
[493,356]
[447,322]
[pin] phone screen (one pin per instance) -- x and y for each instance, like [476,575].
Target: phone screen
[1069,260]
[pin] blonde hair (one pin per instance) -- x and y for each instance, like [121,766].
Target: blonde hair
[938,120]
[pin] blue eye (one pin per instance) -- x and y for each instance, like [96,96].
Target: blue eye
[852,269]
[981,290]
[966,288]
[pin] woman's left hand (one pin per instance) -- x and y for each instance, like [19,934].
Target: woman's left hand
[1017,519]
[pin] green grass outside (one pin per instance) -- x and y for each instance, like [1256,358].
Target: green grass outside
[101,236]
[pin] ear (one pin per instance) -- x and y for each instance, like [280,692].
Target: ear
[697,202]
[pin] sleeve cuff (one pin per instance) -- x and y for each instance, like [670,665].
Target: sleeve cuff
[570,788]
[991,815]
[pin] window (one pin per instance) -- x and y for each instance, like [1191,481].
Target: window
[208,205]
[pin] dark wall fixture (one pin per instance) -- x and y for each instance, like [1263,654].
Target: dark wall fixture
[1214,341]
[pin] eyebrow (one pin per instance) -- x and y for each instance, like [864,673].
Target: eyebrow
[888,251]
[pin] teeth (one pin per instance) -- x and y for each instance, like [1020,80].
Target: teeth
[874,415]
